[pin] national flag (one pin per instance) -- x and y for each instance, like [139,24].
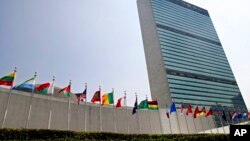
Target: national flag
[224,116]
[172,108]
[43,88]
[8,80]
[143,104]
[108,98]
[248,115]
[81,96]
[28,84]
[189,110]
[234,115]
[244,116]
[202,112]
[167,114]
[216,111]
[135,107]
[210,112]
[196,112]
[96,97]
[120,102]
[153,105]
[66,91]
[239,115]
[182,109]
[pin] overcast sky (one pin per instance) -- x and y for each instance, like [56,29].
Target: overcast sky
[99,42]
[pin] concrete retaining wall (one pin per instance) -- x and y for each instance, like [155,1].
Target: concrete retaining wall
[91,117]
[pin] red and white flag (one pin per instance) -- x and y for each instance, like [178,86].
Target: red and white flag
[121,102]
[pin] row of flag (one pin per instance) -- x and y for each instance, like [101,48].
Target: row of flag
[48,87]
[108,99]
[234,115]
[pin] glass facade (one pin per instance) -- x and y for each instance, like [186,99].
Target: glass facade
[197,68]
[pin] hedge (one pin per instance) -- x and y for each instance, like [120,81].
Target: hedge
[59,135]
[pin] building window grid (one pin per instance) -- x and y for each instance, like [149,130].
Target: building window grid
[188,28]
[178,56]
[190,40]
[192,56]
[174,40]
[169,62]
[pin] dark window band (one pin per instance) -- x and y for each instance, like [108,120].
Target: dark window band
[190,6]
[200,77]
[187,34]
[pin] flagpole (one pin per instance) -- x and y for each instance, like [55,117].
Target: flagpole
[185,117]
[203,130]
[8,101]
[114,114]
[100,109]
[221,120]
[225,114]
[159,115]
[68,118]
[193,120]
[85,110]
[125,103]
[236,115]
[30,103]
[137,115]
[208,123]
[176,117]
[168,112]
[215,123]
[51,102]
[149,117]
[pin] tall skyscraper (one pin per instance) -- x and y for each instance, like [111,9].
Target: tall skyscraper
[184,56]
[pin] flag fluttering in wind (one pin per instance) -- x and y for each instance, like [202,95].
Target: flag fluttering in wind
[210,112]
[224,116]
[108,98]
[28,84]
[135,107]
[202,112]
[121,102]
[81,96]
[43,88]
[8,80]
[189,110]
[182,109]
[143,104]
[153,105]
[172,108]
[96,97]
[66,91]
[196,112]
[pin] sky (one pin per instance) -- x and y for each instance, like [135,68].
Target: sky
[99,42]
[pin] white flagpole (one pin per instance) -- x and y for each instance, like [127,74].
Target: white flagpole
[30,103]
[149,118]
[168,116]
[114,114]
[8,101]
[185,117]
[51,101]
[193,120]
[68,118]
[137,114]
[100,109]
[176,116]
[221,120]
[125,104]
[159,116]
[85,110]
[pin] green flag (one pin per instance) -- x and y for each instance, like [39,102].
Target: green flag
[143,104]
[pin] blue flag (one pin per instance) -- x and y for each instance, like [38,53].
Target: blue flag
[172,108]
